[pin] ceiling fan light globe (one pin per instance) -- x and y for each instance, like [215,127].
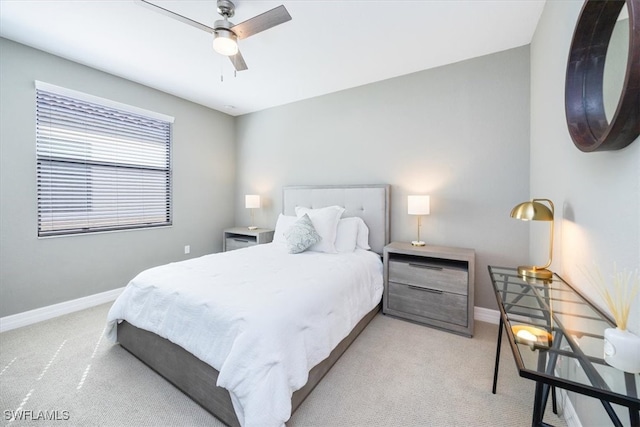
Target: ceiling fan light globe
[225,43]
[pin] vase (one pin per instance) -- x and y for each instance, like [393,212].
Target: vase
[622,350]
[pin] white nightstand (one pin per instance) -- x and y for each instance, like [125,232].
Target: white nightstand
[242,237]
[432,285]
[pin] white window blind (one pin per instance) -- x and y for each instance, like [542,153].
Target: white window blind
[99,168]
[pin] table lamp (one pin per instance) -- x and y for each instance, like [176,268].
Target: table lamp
[536,211]
[252,201]
[418,205]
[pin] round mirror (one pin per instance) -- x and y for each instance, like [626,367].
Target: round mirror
[615,66]
[594,127]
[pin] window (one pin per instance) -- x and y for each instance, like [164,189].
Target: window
[101,166]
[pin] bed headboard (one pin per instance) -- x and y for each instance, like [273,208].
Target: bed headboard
[369,202]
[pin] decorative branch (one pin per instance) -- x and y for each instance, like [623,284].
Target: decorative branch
[618,297]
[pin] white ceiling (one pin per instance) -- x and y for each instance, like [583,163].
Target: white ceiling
[328,45]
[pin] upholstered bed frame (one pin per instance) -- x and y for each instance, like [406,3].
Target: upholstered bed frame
[198,379]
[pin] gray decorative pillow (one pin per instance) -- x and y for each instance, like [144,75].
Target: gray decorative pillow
[301,235]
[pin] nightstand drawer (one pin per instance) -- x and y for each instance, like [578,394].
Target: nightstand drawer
[435,274]
[242,237]
[232,243]
[428,303]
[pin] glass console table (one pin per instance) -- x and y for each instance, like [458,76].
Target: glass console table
[567,351]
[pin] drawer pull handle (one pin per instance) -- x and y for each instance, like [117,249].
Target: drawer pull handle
[241,240]
[420,288]
[428,267]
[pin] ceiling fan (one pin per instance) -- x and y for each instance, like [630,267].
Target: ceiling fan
[225,33]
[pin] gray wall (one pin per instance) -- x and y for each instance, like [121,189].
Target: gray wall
[40,272]
[459,133]
[597,195]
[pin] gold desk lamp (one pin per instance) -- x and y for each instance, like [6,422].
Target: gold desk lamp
[536,211]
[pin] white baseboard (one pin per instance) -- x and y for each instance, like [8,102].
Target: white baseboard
[568,411]
[39,314]
[486,315]
[45,313]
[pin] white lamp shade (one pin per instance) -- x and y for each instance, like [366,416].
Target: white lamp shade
[225,43]
[418,205]
[252,201]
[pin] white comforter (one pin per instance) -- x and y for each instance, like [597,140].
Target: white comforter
[260,316]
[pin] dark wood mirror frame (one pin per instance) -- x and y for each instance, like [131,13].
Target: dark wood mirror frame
[584,103]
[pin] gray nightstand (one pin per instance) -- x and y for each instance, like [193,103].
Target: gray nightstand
[432,285]
[242,237]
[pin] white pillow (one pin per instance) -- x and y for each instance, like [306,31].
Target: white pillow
[347,234]
[301,235]
[362,241]
[282,225]
[325,221]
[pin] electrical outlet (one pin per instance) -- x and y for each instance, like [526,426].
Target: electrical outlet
[187,249]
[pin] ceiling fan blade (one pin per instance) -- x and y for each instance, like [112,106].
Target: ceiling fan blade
[170,14]
[264,21]
[238,62]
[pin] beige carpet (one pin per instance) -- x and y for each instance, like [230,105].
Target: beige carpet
[62,372]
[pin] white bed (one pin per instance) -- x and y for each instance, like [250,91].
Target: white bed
[265,320]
